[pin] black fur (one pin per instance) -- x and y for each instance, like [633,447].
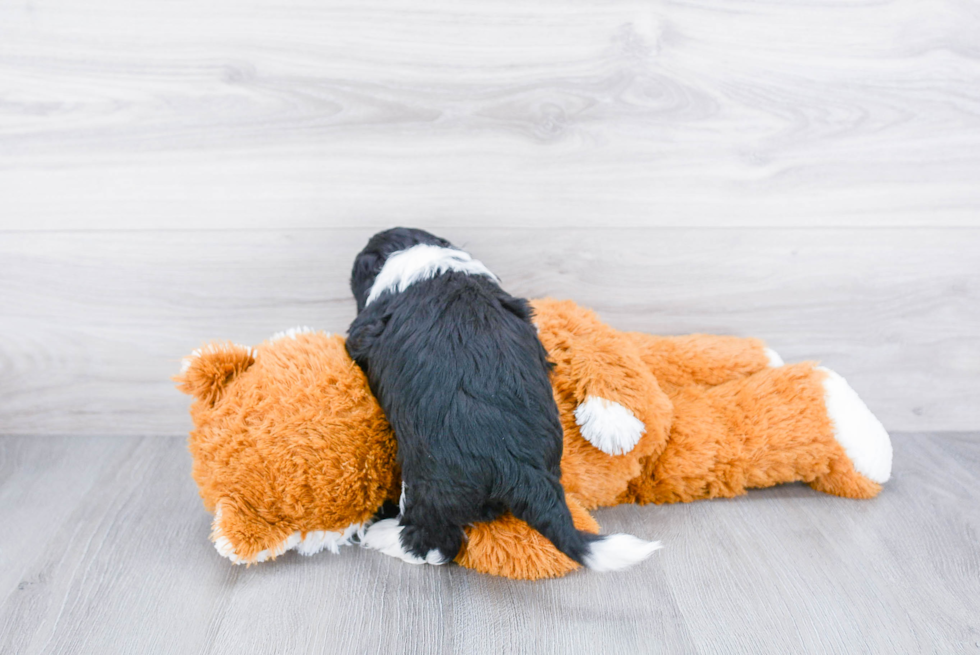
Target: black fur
[461,375]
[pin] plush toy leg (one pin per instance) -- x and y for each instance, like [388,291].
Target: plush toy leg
[244,537]
[601,379]
[510,548]
[785,424]
[868,450]
[702,358]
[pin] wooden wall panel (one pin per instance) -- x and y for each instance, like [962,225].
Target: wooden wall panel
[94,323]
[269,114]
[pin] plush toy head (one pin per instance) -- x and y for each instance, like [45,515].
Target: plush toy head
[291,450]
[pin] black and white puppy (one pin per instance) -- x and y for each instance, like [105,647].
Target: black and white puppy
[457,366]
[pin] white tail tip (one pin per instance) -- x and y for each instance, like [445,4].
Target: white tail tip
[619,551]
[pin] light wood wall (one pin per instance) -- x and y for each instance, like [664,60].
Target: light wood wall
[173,172]
[95,322]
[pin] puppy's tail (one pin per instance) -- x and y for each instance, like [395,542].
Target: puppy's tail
[540,502]
[615,552]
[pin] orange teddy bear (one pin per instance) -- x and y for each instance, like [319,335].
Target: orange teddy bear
[292,452]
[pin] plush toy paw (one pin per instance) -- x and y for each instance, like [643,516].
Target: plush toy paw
[862,435]
[385,536]
[774,358]
[243,531]
[608,426]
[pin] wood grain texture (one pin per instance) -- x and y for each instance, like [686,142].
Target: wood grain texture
[94,324]
[173,172]
[146,115]
[111,556]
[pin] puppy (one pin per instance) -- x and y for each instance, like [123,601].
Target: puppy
[456,364]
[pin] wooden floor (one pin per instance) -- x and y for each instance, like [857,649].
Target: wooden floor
[105,550]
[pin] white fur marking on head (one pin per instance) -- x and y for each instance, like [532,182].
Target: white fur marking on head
[618,551]
[291,333]
[774,358]
[608,426]
[385,536]
[406,267]
[862,435]
[312,543]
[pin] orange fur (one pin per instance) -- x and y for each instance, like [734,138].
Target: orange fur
[295,442]
[511,548]
[289,438]
[592,359]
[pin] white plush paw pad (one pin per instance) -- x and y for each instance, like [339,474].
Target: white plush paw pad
[618,551]
[858,430]
[385,536]
[774,358]
[320,540]
[608,426]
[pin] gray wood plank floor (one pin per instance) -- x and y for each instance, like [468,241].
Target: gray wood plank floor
[105,550]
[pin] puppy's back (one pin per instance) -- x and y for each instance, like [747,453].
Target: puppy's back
[463,378]
[458,368]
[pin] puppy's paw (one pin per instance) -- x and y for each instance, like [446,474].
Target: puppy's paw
[385,536]
[608,426]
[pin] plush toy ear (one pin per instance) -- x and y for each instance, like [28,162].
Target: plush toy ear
[208,370]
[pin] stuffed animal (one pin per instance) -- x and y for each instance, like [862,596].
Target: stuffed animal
[292,452]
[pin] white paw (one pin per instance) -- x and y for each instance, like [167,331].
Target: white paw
[385,536]
[320,540]
[608,426]
[774,358]
[862,435]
